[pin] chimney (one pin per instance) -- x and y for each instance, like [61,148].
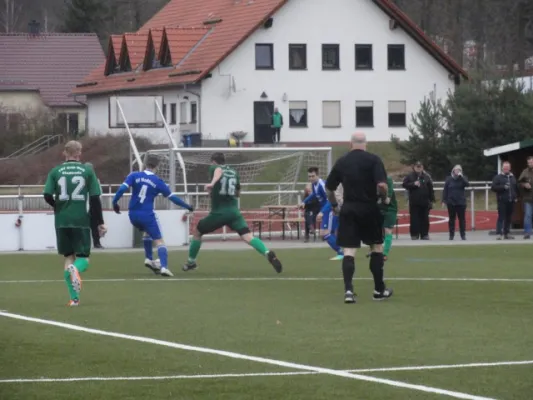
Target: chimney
[34,27]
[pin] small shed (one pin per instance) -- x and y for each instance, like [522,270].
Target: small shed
[517,154]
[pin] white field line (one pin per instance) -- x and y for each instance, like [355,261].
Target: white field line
[261,360]
[263,374]
[428,279]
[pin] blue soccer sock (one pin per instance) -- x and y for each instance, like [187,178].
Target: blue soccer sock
[162,253]
[148,247]
[331,239]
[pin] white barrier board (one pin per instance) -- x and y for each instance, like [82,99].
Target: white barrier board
[37,232]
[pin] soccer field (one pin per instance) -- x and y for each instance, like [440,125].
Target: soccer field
[460,325]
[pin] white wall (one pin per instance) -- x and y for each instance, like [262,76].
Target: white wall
[98,114]
[37,231]
[317,22]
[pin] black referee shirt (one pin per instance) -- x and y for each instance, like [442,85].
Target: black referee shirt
[359,172]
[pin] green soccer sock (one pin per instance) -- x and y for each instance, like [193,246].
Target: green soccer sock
[388,244]
[194,249]
[81,264]
[259,246]
[72,293]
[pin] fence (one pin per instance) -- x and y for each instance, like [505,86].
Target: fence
[22,202]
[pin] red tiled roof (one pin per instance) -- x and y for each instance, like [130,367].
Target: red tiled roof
[52,63]
[227,24]
[136,45]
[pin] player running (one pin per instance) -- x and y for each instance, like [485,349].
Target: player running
[68,188]
[146,186]
[330,223]
[224,188]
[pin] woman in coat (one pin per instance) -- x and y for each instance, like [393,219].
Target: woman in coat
[454,197]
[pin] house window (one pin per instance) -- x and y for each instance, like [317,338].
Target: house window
[330,57]
[331,114]
[298,114]
[297,56]
[61,123]
[364,113]
[264,56]
[73,124]
[183,112]
[172,113]
[396,56]
[397,110]
[363,56]
[194,112]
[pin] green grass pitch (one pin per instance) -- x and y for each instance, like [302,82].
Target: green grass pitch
[453,307]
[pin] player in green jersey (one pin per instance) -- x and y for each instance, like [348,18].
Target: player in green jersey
[69,187]
[389,209]
[225,187]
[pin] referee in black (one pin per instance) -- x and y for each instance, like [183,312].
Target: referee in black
[364,180]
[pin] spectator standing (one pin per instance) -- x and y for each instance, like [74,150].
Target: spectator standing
[421,198]
[277,124]
[526,181]
[94,222]
[454,197]
[506,188]
[312,208]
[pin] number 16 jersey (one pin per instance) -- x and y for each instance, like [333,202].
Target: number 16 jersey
[224,193]
[145,187]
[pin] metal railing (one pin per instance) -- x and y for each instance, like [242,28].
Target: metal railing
[37,146]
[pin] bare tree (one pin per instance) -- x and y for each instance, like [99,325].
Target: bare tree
[9,15]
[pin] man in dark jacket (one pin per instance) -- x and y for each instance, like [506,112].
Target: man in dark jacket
[526,183]
[454,197]
[506,188]
[421,198]
[94,222]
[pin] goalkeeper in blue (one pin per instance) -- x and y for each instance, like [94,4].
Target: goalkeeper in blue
[146,186]
[330,224]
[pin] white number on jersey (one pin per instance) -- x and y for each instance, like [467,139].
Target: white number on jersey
[79,181]
[227,186]
[142,193]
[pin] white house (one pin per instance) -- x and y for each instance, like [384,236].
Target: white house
[330,67]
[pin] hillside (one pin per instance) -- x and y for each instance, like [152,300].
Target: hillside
[110,157]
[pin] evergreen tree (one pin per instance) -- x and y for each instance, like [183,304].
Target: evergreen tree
[85,16]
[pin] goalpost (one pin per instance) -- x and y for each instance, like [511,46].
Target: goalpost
[269,175]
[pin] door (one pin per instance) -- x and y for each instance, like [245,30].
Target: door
[263,111]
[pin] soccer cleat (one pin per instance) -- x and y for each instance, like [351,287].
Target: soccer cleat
[508,237]
[190,266]
[527,236]
[338,257]
[379,296]
[153,265]
[73,303]
[274,261]
[75,278]
[166,272]
[499,237]
[349,297]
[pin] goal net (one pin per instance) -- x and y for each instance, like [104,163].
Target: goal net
[269,176]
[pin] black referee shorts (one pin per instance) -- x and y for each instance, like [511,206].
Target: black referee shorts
[360,223]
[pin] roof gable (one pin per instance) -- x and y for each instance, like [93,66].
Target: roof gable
[136,46]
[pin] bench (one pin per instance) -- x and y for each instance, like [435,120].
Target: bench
[258,224]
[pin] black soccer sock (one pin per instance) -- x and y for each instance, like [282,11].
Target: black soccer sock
[376,267]
[348,271]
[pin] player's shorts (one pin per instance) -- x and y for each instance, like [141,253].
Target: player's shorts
[330,222]
[389,219]
[73,241]
[232,218]
[147,223]
[360,223]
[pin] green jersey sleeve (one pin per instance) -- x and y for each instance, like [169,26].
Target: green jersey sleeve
[50,185]
[93,187]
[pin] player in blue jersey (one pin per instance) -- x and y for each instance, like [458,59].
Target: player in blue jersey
[329,220]
[146,186]
[330,223]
